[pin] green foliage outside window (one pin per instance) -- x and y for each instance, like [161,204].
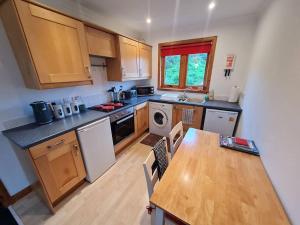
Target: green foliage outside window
[172,69]
[196,69]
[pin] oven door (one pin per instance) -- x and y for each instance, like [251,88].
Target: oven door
[122,128]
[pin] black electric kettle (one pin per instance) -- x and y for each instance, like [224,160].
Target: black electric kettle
[42,112]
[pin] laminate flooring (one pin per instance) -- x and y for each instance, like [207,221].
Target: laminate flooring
[119,197]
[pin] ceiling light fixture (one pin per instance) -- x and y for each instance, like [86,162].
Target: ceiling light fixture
[211,5]
[148,20]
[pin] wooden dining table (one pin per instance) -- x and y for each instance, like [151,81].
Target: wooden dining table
[205,184]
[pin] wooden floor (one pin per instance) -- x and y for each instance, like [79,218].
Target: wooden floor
[119,197]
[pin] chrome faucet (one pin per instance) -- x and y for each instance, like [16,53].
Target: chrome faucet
[183,97]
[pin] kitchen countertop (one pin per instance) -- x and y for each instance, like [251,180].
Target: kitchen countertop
[32,134]
[214,104]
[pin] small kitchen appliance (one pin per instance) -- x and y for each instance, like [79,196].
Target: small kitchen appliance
[42,112]
[144,90]
[130,94]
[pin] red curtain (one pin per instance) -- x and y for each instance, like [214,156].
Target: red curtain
[186,49]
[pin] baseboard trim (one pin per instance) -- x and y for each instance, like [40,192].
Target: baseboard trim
[21,194]
[7,200]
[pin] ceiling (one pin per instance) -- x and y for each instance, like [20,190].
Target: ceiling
[169,13]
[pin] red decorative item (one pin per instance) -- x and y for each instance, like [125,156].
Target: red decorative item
[241,141]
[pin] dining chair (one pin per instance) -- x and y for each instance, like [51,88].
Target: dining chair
[151,180]
[176,137]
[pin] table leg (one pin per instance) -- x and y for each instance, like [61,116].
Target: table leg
[159,216]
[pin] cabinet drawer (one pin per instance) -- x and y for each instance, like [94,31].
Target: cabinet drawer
[48,146]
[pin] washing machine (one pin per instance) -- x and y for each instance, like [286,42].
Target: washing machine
[160,118]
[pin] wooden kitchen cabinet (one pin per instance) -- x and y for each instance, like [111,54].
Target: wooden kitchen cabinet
[129,51]
[59,165]
[133,62]
[50,48]
[100,43]
[191,116]
[142,118]
[145,61]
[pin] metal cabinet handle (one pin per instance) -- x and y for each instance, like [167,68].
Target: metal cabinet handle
[123,72]
[126,118]
[76,147]
[56,144]
[88,68]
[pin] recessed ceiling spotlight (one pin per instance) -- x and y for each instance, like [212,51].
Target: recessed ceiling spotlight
[211,5]
[148,20]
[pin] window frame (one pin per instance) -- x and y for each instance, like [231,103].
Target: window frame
[184,65]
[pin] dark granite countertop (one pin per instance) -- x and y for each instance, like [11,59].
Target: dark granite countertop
[214,104]
[32,134]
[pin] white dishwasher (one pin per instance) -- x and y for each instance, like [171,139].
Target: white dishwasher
[97,148]
[220,121]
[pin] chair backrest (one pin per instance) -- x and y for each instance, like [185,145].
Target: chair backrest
[177,131]
[151,179]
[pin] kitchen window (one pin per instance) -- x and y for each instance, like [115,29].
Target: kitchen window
[186,65]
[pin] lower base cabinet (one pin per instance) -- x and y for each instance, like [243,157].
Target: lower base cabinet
[59,165]
[141,118]
[191,116]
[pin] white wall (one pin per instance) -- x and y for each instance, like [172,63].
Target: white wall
[271,104]
[74,8]
[234,36]
[15,169]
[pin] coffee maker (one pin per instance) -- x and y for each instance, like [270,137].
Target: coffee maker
[42,112]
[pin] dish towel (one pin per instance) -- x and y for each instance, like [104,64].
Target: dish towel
[187,116]
[160,153]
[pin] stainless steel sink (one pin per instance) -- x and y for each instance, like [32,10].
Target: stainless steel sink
[192,100]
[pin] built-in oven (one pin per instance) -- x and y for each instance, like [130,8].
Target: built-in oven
[122,124]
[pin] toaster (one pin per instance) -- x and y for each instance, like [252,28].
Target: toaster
[130,94]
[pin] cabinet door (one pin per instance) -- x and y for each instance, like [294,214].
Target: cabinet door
[100,43]
[145,61]
[59,164]
[180,113]
[142,118]
[57,44]
[129,53]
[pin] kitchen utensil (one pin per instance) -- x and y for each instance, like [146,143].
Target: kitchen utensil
[75,107]
[82,108]
[42,112]
[67,109]
[58,111]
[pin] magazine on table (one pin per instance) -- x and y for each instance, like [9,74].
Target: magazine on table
[239,144]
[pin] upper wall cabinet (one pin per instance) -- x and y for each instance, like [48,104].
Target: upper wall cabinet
[145,60]
[133,62]
[100,43]
[50,48]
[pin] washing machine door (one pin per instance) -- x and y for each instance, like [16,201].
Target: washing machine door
[160,118]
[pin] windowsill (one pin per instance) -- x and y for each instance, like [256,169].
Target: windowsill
[182,90]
